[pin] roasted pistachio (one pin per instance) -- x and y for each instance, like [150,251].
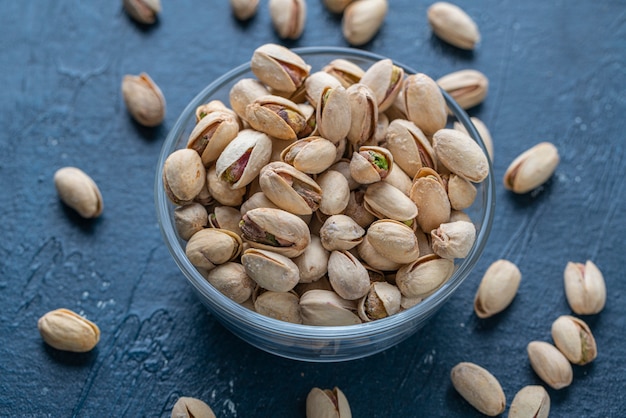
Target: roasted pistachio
[531,401]
[385,201]
[242,159]
[222,191]
[461,192]
[270,270]
[144,99]
[311,155]
[284,306]
[467,87]
[584,288]
[78,191]
[453,239]
[333,114]
[279,67]
[550,364]
[370,164]
[340,232]
[276,116]
[479,387]
[347,72]
[184,176]
[244,9]
[450,23]
[424,104]
[574,339]
[316,83]
[363,114]
[461,155]
[212,134]
[190,219]
[244,92]
[226,217]
[373,258]
[381,301]
[186,407]
[210,247]
[66,330]
[231,279]
[288,17]
[497,288]
[290,189]
[431,199]
[531,168]
[327,404]
[399,179]
[483,131]
[393,240]
[409,146]
[362,19]
[313,262]
[347,275]
[143,11]
[424,275]
[356,209]
[327,308]
[385,80]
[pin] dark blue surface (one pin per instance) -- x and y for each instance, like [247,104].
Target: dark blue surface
[557,72]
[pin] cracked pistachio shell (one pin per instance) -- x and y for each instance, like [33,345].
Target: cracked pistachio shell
[226,217]
[385,80]
[347,275]
[340,232]
[497,288]
[479,388]
[356,209]
[276,116]
[143,11]
[190,219]
[461,192]
[385,201]
[284,306]
[327,404]
[187,407]
[232,281]
[333,114]
[66,330]
[279,68]
[532,168]
[313,262]
[453,239]
[363,114]
[459,153]
[78,191]
[483,131]
[310,155]
[362,19]
[288,17]
[373,258]
[184,176]
[431,199]
[275,230]
[382,300]
[393,240]
[531,401]
[210,247]
[370,164]
[290,189]
[335,192]
[424,275]
[347,72]
[450,23]
[214,106]
[424,103]
[244,92]
[467,87]
[423,242]
[409,146]
[343,166]
[244,9]
[221,190]
[242,159]
[585,288]
[574,339]
[212,134]
[550,364]
[270,270]
[144,99]
[257,200]
[327,308]
[316,83]
[399,179]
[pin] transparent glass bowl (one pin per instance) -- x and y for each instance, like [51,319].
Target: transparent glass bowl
[304,342]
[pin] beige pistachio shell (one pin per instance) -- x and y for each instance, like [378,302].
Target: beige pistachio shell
[370,164]
[497,288]
[144,99]
[327,308]
[343,167]
[288,17]
[66,330]
[232,281]
[461,192]
[327,403]
[550,364]
[257,200]
[362,20]
[226,217]
[316,83]
[347,72]
[186,407]
[409,146]
[214,106]
[423,242]
[78,191]
[356,209]
[313,262]
[431,199]
[340,232]
[210,247]
[450,23]
[479,387]
[382,300]
[270,270]
[531,401]
[290,189]
[284,306]
[184,176]
[399,179]
[467,87]
[381,130]
[333,114]
[424,103]
[204,197]
[532,168]
[385,201]
[244,92]
[279,68]
[483,131]
[221,190]
[212,134]
[585,288]
[461,155]
[310,155]
[244,9]
[393,240]
[309,115]
[574,339]
[232,167]
[335,192]
[276,116]
[190,219]
[424,275]
[453,239]
[385,80]
[373,258]
[143,11]
[459,215]
[363,114]
[347,275]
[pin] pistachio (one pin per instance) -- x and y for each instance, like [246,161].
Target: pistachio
[244,92]
[327,404]
[362,19]
[483,131]
[288,17]
[327,308]
[311,155]
[333,114]
[212,134]
[184,176]
[370,164]
[279,68]
[144,99]
[204,197]
[453,239]
[399,179]
[373,258]
[423,276]
[574,339]
[461,192]
[461,155]
[424,103]
[381,301]
[347,275]
[316,83]
[257,200]
[497,288]
[78,191]
[393,240]
[313,262]
[550,364]
[459,215]
[340,232]
[584,288]
[409,146]
[143,11]
[531,168]
[385,80]
[284,306]
[186,407]
[276,116]
[347,72]
[270,270]
[66,330]
[242,159]
[530,401]
[226,217]
[467,87]
[356,209]
[479,388]
[244,9]
[190,219]
[363,114]
[231,279]
[385,201]
[210,247]
[336,6]
[343,167]
[381,130]
[431,200]
[222,191]
[453,25]
[213,106]
[290,189]
[335,192]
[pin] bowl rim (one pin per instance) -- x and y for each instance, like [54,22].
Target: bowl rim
[232,311]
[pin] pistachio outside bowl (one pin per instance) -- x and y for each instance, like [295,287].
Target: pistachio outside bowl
[303,342]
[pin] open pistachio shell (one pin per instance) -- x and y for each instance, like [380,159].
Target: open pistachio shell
[210,247]
[409,146]
[184,176]
[385,201]
[382,300]
[333,114]
[424,103]
[340,232]
[431,200]
[310,155]
[284,306]
[211,135]
[363,114]
[242,159]
[385,80]
[370,164]
[347,72]
[327,404]
[290,189]
[316,83]
[347,275]
[327,308]
[279,67]
[453,239]
[270,270]
[221,190]
[424,275]
[276,116]
[393,240]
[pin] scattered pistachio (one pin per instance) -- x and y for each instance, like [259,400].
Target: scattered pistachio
[584,288]
[327,404]
[186,407]
[550,364]
[479,387]
[531,168]
[288,17]
[574,339]
[244,9]
[362,19]
[497,288]
[531,401]
[66,330]
[453,25]
[467,87]
[144,99]
[143,11]
[78,191]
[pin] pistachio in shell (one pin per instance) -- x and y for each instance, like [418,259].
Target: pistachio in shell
[184,176]
[333,114]
[212,134]
[190,219]
[270,270]
[370,164]
[276,116]
[453,239]
[279,68]
[393,240]
[144,99]
[363,114]
[313,262]
[210,247]
[244,92]
[326,403]
[335,192]
[222,191]
[385,201]
[385,80]
[424,103]
[232,281]
[409,146]
[431,199]
[78,191]
[311,155]
[461,155]
[289,188]
[423,276]
[284,306]
[327,308]
[382,300]
[347,72]
[242,159]
[340,232]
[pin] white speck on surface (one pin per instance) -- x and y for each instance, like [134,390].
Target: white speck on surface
[577,120]
[462,324]
[213,395]
[577,179]
[85,295]
[583,127]
[44,390]
[101,304]
[105,285]
[231,407]
[516,26]
[231,385]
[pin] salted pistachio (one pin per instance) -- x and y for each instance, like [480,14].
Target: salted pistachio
[190,219]
[232,281]
[242,159]
[333,113]
[308,111]
[532,168]
[78,191]
[335,192]
[347,275]
[276,116]
[585,288]
[336,6]
[343,167]
[270,270]
[363,114]
[381,301]
[327,403]
[244,92]
[453,239]
[408,303]
[288,17]
[327,308]
[340,232]
[186,407]
[450,23]
[143,11]
[574,339]
[385,80]
[362,19]
[399,179]
[210,247]
[550,364]
[467,87]
[479,388]
[373,258]
[431,199]
[356,209]
[409,146]
[244,9]
[275,230]
[66,330]
[385,201]
[424,104]
[214,106]
[483,131]
[284,306]
[370,164]
[257,200]
[461,192]
[310,155]
[144,99]
[313,262]
[221,191]
[393,240]
[212,134]
[497,288]
[225,217]
[316,83]
[347,72]
[531,401]
[278,67]
[289,188]
[459,153]
[423,276]
[184,176]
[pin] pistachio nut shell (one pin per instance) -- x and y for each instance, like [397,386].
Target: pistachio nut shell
[450,23]
[244,92]
[327,403]
[467,87]
[385,201]
[431,200]
[288,17]
[212,134]
[78,191]
[550,364]
[143,11]
[483,131]
[479,387]
[276,116]
[284,306]
[244,9]
[530,401]
[270,270]
[531,168]
[313,262]
[210,247]
[399,179]
[335,192]
[327,308]
[186,407]
[184,176]
[461,192]
[373,258]
[574,339]
[423,276]
[453,239]
[585,288]
[497,288]
[347,275]
[424,103]
[459,215]
[333,115]
[279,68]
[311,155]
[385,79]
[461,155]
[190,219]
[347,72]
[382,300]
[370,164]
[316,83]
[144,99]
[393,240]
[340,232]
[232,166]
[343,166]
[409,146]
[66,330]
[289,188]
[221,191]
[232,281]
[362,19]
[226,217]
[363,114]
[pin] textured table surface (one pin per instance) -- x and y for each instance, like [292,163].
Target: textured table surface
[557,72]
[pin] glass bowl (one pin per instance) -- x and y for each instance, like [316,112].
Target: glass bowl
[305,342]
